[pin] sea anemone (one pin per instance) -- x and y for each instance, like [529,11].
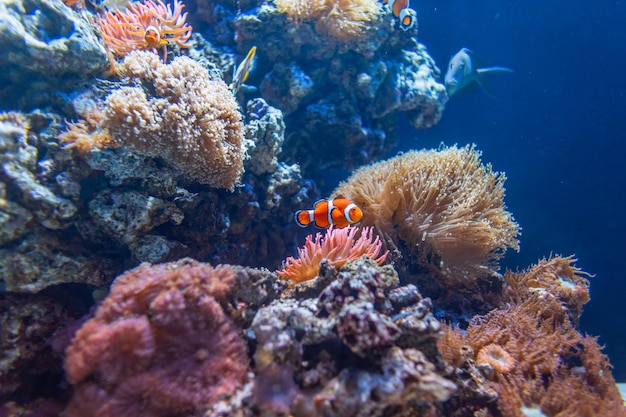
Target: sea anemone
[344,20]
[445,207]
[146,26]
[496,356]
[338,246]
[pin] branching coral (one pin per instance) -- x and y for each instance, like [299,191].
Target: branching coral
[181,115]
[145,26]
[445,205]
[557,277]
[338,246]
[159,344]
[530,351]
[344,20]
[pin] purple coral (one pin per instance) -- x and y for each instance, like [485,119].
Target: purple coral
[160,344]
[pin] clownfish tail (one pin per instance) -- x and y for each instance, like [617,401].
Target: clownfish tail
[303,219]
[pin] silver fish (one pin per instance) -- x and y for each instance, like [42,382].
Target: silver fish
[464,68]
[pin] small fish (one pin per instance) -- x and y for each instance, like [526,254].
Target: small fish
[464,68]
[338,211]
[401,10]
[243,70]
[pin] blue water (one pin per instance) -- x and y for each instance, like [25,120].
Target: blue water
[558,130]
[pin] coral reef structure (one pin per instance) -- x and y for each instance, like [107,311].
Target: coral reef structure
[341,93]
[444,208]
[159,345]
[348,343]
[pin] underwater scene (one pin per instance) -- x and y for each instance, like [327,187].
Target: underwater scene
[312,208]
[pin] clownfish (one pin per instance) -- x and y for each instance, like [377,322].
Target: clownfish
[401,10]
[339,212]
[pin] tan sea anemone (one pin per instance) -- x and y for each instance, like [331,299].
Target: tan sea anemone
[444,206]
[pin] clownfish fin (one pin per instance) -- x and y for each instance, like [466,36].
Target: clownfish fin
[336,215]
[303,218]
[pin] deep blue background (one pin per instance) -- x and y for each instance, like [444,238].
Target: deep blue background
[558,131]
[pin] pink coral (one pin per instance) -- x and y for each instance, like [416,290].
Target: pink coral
[146,26]
[160,344]
[338,246]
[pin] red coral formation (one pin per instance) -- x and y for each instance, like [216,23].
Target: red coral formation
[338,246]
[159,345]
[146,26]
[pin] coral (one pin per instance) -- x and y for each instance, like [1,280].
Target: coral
[338,246]
[147,25]
[529,352]
[160,344]
[86,135]
[342,99]
[347,20]
[344,20]
[445,206]
[300,10]
[553,277]
[496,356]
[347,354]
[193,122]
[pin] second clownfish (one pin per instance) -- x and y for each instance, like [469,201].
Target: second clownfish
[339,212]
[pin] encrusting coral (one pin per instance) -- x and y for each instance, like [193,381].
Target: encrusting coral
[529,352]
[181,115]
[160,344]
[445,206]
[147,25]
[337,246]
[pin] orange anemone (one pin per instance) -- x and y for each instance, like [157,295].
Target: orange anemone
[338,246]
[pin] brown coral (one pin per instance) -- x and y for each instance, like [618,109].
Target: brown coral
[182,116]
[338,246]
[445,205]
[147,25]
[556,276]
[159,344]
[536,358]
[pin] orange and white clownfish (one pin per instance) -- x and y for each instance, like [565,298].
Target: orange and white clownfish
[339,212]
[401,10]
